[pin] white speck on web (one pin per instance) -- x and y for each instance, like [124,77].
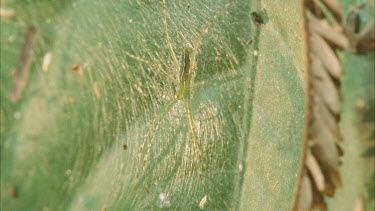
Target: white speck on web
[68,172]
[46,61]
[203,202]
[164,200]
[17,115]
[240,167]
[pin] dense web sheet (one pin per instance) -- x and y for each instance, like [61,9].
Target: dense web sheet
[142,82]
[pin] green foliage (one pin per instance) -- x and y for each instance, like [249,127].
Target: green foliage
[62,144]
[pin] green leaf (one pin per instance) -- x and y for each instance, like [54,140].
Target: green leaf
[65,148]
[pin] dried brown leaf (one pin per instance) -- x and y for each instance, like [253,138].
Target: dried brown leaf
[24,64]
[306,194]
[326,55]
[324,86]
[318,200]
[321,111]
[334,35]
[328,157]
[315,171]
[321,153]
[334,7]
[330,187]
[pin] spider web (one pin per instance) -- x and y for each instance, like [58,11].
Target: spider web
[137,103]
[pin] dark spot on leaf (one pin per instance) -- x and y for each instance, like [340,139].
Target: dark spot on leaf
[256,18]
[13,192]
[77,68]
